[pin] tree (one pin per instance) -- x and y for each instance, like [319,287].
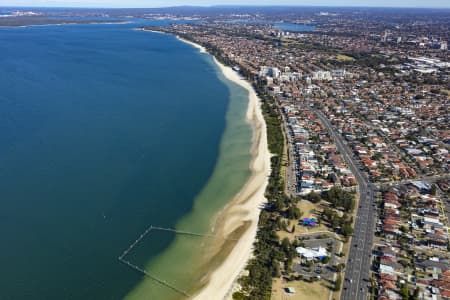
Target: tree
[403,229]
[377,156]
[340,267]
[288,266]
[338,283]
[314,197]
[335,221]
[347,229]
[293,212]
[416,294]
[403,262]
[284,226]
[340,198]
[238,296]
[433,190]
[275,269]
[279,205]
[328,213]
[285,245]
[404,292]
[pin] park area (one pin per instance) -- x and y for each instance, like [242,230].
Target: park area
[317,290]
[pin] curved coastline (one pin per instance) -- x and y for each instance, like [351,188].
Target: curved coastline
[233,219]
[245,207]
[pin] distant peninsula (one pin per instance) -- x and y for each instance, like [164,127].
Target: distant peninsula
[40,20]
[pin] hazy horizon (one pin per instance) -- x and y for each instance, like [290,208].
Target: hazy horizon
[211,3]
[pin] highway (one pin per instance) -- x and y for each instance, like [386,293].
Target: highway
[356,280]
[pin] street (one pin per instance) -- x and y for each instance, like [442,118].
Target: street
[358,266]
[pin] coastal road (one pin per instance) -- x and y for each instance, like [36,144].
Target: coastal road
[357,271]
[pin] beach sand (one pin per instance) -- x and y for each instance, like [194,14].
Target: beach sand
[244,209]
[201,48]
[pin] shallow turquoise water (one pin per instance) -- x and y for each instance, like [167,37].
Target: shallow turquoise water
[188,261]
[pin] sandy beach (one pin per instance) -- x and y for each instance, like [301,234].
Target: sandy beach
[202,50]
[245,207]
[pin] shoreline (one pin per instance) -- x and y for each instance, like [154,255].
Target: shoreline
[199,47]
[203,50]
[239,216]
[245,206]
[63,24]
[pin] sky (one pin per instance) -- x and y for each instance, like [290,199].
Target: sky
[165,3]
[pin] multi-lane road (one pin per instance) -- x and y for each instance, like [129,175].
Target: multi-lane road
[356,282]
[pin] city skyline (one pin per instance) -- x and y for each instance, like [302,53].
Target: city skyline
[158,3]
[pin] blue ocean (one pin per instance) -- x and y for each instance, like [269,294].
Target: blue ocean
[104,130]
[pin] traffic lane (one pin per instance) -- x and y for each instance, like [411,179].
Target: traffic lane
[357,259]
[347,152]
[361,232]
[353,272]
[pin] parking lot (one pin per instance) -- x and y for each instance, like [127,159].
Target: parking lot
[325,271]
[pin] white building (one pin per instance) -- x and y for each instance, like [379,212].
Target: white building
[312,253]
[269,71]
[322,75]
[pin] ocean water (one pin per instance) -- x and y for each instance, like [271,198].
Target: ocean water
[104,131]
